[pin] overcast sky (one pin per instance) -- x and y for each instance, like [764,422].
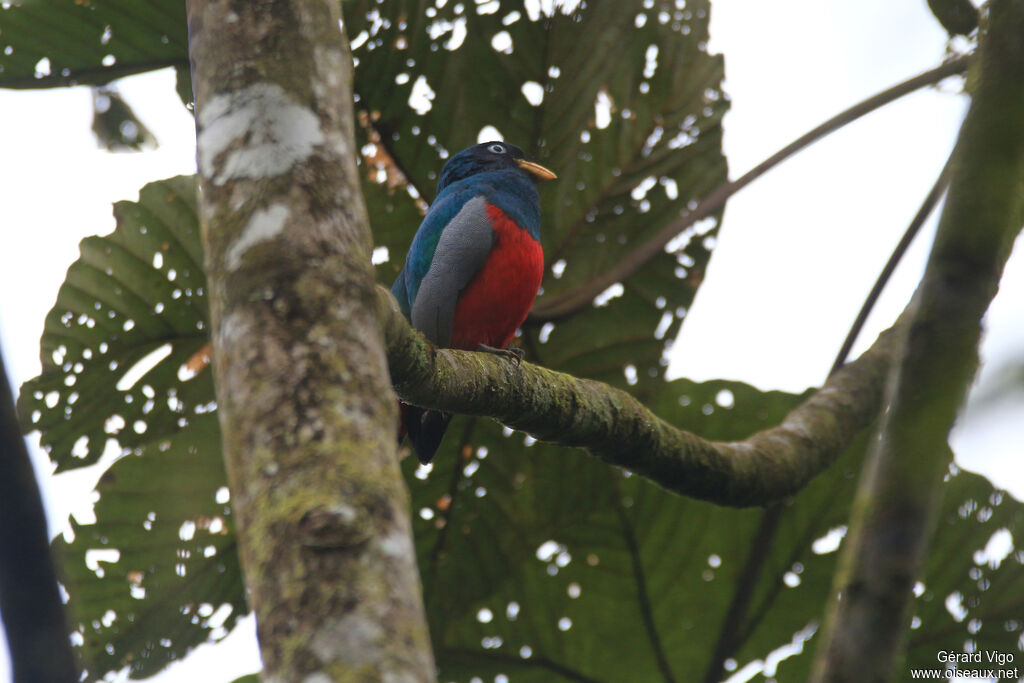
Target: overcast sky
[797,252]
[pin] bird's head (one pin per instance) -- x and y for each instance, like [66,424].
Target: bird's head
[490,156]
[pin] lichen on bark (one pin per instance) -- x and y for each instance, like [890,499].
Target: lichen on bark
[302,386]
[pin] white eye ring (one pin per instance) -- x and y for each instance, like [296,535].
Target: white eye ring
[496,148]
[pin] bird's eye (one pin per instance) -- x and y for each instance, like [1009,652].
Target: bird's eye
[497,149]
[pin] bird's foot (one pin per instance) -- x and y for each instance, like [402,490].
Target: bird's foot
[512,353]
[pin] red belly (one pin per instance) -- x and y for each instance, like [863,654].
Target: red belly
[497,300]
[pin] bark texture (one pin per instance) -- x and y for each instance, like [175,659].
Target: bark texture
[896,504]
[618,429]
[307,415]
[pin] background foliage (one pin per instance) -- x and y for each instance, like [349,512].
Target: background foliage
[534,559]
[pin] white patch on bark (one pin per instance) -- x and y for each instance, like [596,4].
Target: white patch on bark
[276,132]
[265,224]
[397,545]
[354,639]
[405,676]
[232,327]
[329,65]
[318,677]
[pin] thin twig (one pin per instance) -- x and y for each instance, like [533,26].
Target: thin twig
[575,299]
[927,206]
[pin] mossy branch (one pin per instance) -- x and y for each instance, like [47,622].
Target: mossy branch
[897,503]
[617,428]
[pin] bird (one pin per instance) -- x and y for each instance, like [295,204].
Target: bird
[474,266]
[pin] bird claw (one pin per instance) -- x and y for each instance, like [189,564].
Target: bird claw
[512,353]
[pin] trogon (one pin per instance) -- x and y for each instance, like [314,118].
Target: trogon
[475,264]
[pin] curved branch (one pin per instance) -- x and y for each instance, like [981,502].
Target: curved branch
[576,299]
[617,428]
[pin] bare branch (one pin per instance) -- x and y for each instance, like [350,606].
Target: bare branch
[927,206]
[574,300]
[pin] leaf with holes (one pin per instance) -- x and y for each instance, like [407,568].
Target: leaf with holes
[536,562]
[972,591]
[122,349]
[68,42]
[621,99]
[115,125]
[566,556]
[631,125]
[970,596]
[588,555]
[157,573]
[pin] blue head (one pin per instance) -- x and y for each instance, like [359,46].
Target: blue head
[490,156]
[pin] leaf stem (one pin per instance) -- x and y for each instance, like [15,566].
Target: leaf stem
[576,299]
[896,507]
[643,594]
[729,637]
[927,206]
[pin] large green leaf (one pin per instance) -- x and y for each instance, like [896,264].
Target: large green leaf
[966,599]
[987,608]
[512,536]
[68,42]
[606,577]
[531,533]
[134,297]
[620,180]
[157,574]
[536,76]
[562,536]
[124,367]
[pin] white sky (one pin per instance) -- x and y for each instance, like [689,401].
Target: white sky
[797,252]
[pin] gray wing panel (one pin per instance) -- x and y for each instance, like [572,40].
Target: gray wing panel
[464,245]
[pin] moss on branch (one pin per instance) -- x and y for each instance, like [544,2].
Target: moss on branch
[617,428]
[897,503]
[320,507]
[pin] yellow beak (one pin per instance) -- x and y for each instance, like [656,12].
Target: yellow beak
[536,169]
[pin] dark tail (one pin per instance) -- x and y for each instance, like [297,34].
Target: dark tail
[425,429]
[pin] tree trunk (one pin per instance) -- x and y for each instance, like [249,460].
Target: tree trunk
[306,410]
